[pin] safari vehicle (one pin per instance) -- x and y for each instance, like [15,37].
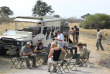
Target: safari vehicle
[13,41]
[45,28]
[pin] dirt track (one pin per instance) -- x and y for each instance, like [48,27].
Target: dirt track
[93,63]
[94,68]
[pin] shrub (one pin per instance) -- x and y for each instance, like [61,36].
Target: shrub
[72,20]
[6,19]
[96,21]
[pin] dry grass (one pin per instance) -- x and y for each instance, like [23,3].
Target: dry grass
[105,32]
[5,64]
[92,32]
[91,43]
[11,26]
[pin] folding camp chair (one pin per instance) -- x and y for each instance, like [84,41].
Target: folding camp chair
[60,64]
[19,62]
[72,61]
[23,61]
[39,59]
[15,61]
[85,59]
[63,65]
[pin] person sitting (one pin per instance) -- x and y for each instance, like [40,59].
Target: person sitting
[83,53]
[41,52]
[26,53]
[54,55]
[40,41]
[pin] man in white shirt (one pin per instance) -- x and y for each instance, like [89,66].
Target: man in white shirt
[99,38]
[60,39]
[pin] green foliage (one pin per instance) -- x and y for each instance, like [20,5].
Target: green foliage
[96,21]
[57,16]
[41,9]
[5,19]
[5,11]
[85,16]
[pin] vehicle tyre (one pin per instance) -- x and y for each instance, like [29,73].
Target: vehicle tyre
[2,51]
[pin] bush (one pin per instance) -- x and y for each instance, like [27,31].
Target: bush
[6,19]
[72,20]
[96,21]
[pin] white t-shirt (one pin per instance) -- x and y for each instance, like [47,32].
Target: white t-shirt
[61,37]
[99,35]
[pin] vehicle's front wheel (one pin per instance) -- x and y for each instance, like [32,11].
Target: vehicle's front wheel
[2,51]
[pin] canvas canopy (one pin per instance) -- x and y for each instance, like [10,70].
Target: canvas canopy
[39,20]
[35,20]
[27,20]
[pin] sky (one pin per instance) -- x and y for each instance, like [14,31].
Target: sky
[64,8]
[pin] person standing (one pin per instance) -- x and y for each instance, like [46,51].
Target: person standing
[60,39]
[73,32]
[99,38]
[77,33]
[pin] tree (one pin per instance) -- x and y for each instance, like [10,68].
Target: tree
[41,9]
[5,11]
[85,16]
[57,16]
[96,21]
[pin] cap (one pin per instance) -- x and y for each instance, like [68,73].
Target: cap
[28,43]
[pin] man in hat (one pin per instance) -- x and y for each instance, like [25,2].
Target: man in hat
[26,53]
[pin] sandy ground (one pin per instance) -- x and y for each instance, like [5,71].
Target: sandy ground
[94,67]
